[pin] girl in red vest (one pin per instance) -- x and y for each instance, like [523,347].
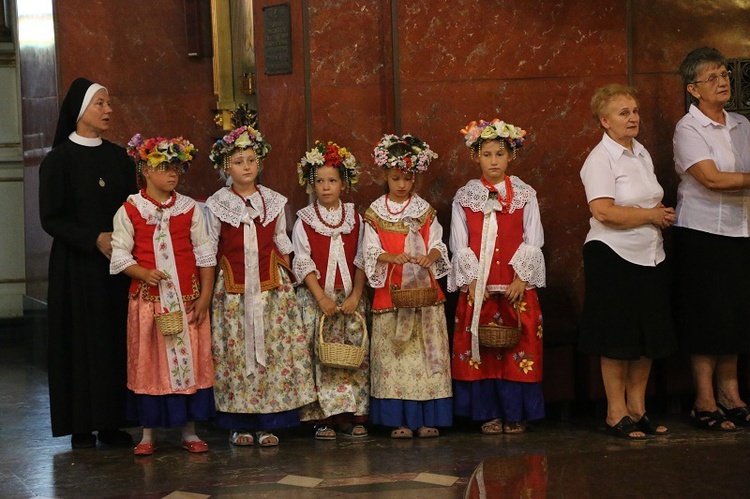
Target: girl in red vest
[409,356]
[496,240]
[328,259]
[160,241]
[261,353]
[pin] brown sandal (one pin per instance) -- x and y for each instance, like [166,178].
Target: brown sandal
[402,432]
[427,432]
[514,428]
[492,427]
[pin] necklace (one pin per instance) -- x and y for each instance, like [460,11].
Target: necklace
[408,202]
[160,206]
[247,201]
[331,226]
[504,201]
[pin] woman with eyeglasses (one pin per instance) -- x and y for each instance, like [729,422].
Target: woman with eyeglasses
[712,240]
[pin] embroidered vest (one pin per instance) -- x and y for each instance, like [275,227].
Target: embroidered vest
[143,252]
[320,247]
[509,238]
[393,240]
[231,257]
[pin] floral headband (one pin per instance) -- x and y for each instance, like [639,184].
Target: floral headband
[412,162]
[476,133]
[159,150]
[327,154]
[242,138]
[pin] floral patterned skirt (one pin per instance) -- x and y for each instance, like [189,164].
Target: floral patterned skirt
[401,370]
[339,390]
[286,381]
[149,366]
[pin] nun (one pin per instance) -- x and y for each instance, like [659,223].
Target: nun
[82,182]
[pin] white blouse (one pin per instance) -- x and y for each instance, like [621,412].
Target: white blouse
[303,263]
[123,236]
[372,248]
[527,261]
[226,206]
[698,138]
[627,177]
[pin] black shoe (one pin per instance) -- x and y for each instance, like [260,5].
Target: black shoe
[115,437]
[82,440]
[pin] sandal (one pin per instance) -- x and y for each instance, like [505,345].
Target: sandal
[402,432]
[144,449]
[514,428]
[710,420]
[738,415]
[427,432]
[241,438]
[196,446]
[325,433]
[354,431]
[649,427]
[625,429]
[492,427]
[266,439]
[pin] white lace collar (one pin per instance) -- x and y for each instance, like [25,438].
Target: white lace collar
[416,208]
[332,217]
[85,141]
[474,194]
[149,210]
[230,208]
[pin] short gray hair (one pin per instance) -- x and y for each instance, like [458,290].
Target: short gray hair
[695,60]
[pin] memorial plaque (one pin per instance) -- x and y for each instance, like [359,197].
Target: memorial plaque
[277,39]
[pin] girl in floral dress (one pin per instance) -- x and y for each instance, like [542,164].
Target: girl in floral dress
[328,259]
[496,240]
[160,241]
[261,352]
[409,358]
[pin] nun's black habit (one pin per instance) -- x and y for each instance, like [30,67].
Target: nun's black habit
[81,186]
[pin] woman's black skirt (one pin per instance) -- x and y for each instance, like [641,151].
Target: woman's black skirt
[626,311]
[712,292]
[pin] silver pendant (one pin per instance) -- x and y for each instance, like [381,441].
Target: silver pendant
[101,182]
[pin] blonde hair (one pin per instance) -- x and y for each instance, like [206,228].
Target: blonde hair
[605,94]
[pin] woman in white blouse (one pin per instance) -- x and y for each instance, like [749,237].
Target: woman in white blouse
[712,240]
[626,313]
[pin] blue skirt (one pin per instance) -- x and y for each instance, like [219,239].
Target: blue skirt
[171,410]
[487,399]
[265,422]
[412,414]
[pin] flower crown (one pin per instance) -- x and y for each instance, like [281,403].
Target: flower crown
[327,154]
[158,150]
[415,162]
[242,138]
[476,133]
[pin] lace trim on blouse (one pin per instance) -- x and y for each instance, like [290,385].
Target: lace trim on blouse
[465,269]
[474,194]
[230,208]
[416,208]
[308,215]
[148,210]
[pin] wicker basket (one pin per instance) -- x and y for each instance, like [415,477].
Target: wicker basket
[339,354]
[496,336]
[413,297]
[170,323]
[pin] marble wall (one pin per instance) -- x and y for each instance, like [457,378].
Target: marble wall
[534,64]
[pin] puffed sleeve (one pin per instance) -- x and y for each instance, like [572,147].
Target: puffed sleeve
[464,266]
[372,248]
[359,259]
[203,247]
[528,260]
[283,243]
[122,242]
[442,265]
[303,264]
[213,228]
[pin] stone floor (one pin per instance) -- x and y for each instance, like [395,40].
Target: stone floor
[572,459]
